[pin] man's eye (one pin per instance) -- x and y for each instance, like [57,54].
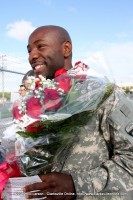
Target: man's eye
[41,46]
[28,50]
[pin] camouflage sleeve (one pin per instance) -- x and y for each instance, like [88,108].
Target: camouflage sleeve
[102,161]
[117,128]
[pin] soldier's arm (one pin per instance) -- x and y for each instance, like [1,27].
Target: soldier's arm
[112,171]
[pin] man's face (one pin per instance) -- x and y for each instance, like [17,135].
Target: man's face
[45,52]
[22,91]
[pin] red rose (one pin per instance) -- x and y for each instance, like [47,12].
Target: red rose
[34,127]
[51,93]
[81,68]
[64,82]
[37,84]
[52,99]
[77,63]
[16,113]
[33,107]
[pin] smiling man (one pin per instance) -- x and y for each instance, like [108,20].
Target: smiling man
[100,163]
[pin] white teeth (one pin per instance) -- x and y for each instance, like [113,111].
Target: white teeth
[38,66]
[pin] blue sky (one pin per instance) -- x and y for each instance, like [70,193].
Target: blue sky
[101,31]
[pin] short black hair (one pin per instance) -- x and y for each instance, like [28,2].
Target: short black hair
[22,86]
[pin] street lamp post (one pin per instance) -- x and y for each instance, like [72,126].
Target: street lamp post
[2,70]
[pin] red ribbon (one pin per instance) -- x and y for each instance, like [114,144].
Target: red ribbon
[8,170]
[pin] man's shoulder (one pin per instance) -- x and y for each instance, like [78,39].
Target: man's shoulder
[115,95]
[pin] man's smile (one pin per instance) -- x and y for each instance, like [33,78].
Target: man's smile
[38,67]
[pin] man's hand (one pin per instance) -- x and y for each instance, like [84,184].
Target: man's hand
[54,186]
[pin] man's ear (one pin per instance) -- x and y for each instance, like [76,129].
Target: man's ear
[67,49]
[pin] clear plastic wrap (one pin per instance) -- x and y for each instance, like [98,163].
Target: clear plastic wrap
[2,154]
[50,115]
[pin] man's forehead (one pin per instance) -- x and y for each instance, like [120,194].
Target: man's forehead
[43,37]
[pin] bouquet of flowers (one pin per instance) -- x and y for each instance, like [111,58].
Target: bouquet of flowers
[48,119]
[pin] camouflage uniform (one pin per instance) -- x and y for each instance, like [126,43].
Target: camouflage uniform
[101,161]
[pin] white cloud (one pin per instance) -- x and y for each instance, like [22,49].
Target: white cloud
[114,60]
[20,30]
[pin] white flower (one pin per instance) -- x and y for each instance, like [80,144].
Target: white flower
[36,91]
[32,87]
